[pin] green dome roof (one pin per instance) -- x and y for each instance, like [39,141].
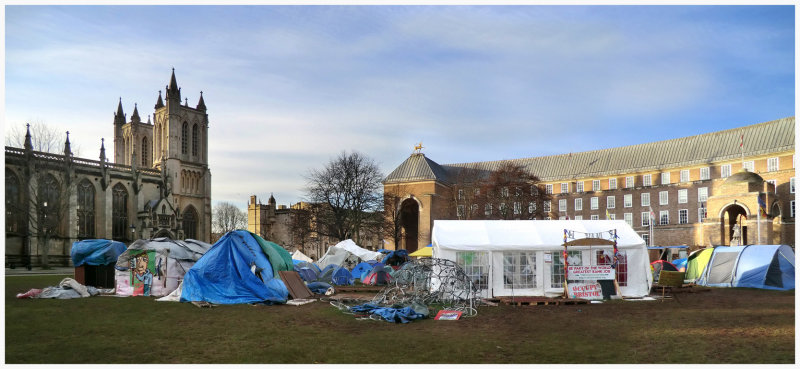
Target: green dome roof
[744,176]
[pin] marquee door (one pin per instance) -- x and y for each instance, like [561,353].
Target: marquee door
[518,273]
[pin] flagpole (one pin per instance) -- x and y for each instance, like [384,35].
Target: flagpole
[758,219]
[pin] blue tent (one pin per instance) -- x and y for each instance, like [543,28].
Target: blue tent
[396,258]
[337,275]
[361,269]
[96,252]
[308,274]
[379,275]
[236,270]
[754,266]
[766,266]
[305,264]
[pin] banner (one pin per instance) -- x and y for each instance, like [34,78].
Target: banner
[589,291]
[589,272]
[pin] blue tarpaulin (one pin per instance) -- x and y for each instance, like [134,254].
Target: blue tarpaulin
[234,271]
[394,315]
[96,252]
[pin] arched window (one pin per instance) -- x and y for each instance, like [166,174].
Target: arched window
[119,212]
[184,138]
[48,199]
[13,208]
[144,151]
[86,209]
[195,139]
[190,223]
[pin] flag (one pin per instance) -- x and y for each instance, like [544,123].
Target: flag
[762,206]
[608,216]
[652,213]
[741,141]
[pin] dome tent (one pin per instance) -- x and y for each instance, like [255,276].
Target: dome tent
[156,267]
[240,268]
[754,266]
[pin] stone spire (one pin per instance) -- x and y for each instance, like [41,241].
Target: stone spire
[160,102]
[201,105]
[28,143]
[173,92]
[135,117]
[119,116]
[102,151]
[67,148]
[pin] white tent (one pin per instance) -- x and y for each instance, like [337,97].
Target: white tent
[297,255]
[347,252]
[156,267]
[524,257]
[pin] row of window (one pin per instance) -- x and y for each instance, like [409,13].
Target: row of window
[50,194]
[647,179]
[185,138]
[627,200]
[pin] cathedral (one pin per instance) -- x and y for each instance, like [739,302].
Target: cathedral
[158,185]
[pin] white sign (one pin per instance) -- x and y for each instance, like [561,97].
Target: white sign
[589,291]
[590,272]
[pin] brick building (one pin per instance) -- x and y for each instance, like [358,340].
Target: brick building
[700,189]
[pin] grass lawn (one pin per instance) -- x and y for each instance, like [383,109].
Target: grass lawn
[718,326]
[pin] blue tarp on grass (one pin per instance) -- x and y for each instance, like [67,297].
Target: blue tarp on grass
[224,274]
[96,252]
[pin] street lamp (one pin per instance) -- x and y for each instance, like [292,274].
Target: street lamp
[133,232]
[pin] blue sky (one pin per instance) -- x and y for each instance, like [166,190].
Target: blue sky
[289,87]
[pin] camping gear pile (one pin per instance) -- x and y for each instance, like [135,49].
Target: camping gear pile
[68,288]
[156,267]
[754,266]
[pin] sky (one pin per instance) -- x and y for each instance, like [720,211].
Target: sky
[288,88]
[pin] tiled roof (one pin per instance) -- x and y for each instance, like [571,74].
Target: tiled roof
[417,168]
[759,139]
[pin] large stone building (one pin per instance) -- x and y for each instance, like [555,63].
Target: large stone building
[158,185]
[702,190]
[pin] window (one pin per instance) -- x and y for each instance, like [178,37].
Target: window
[477,192]
[645,219]
[593,203]
[791,185]
[48,199]
[190,223]
[534,190]
[548,188]
[665,178]
[646,238]
[627,200]
[725,171]
[565,188]
[606,257]
[579,186]
[596,185]
[685,175]
[749,166]
[487,209]
[557,267]
[579,217]
[195,139]
[460,194]
[546,206]
[473,209]
[683,196]
[502,209]
[663,217]
[562,205]
[476,267]
[594,217]
[13,208]
[460,211]
[184,138]
[504,191]
[531,207]
[612,183]
[683,216]
[578,204]
[702,194]
[628,181]
[519,270]
[791,208]
[628,218]
[611,202]
[701,214]
[645,197]
[647,180]
[85,209]
[705,173]
[517,208]
[611,216]
[144,151]
[517,191]
[772,164]
[119,212]
[663,198]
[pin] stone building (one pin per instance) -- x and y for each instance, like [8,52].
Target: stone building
[158,185]
[699,188]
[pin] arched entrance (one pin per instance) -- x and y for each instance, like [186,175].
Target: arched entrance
[732,216]
[409,218]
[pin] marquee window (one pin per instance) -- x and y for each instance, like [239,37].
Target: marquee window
[557,266]
[519,270]
[476,266]
[606,257]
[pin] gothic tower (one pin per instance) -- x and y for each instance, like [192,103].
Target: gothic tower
[180,147]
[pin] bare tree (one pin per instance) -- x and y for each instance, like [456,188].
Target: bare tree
[465,193]
[511,192]
[227,217]
[47,205]
[392,219]
[44,138]
[301,225]
[347,190]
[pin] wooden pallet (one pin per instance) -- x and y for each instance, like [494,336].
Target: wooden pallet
[527,301]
